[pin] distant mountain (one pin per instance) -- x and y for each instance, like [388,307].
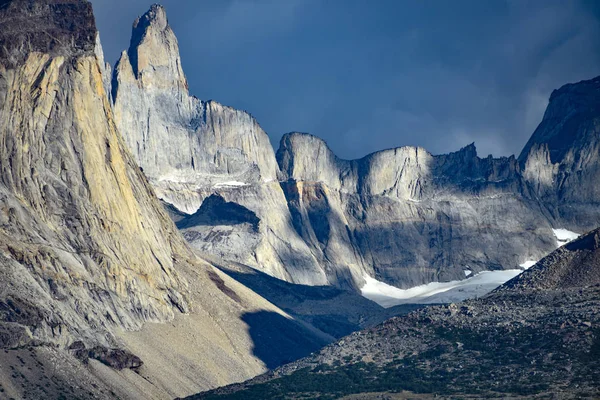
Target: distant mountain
[402,216]
[191,149]
[534,337]
[100,295]
[561,162]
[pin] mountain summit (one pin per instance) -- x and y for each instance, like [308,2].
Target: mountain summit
[560,162]
[191,149]
[100,295]
[402,216]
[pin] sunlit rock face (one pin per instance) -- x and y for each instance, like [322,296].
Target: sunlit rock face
[191,149]
[95,278]
[561,161]
[403,215]
[85,247]
[408,217]
[176,137]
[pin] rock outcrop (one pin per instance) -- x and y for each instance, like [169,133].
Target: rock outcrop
[95,278]
[561,161]
[80,225]
[206,140]
[408,217]
[402,215]
[191,149]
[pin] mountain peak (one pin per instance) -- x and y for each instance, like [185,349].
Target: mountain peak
[469,150]
[156,16]
[571,107]
[154,51]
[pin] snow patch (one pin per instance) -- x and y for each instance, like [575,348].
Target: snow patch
[436,292]
[230,184]
[564,236]
[528,264]
[467,272]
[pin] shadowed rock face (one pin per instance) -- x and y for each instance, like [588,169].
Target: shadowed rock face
[561,161]
[216,211]
[536,336]
[402,215]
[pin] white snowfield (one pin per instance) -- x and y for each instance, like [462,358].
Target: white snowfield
[230,184]
[436,292]
[528,264]
[451,292]
[564,236]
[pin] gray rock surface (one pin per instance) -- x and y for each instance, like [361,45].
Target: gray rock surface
[409,217]
[91,266]
[561,161]
[401,215]
[81,232]
[190,149]
[534,337]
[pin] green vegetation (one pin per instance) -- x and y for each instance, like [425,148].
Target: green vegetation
[328,382]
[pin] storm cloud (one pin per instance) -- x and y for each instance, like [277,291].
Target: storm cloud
[368,75]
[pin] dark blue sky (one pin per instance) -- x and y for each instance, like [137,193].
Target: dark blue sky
[372,74]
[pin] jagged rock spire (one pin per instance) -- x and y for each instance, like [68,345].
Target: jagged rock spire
[172,133]
[153,54]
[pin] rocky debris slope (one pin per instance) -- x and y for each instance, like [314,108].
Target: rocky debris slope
[99,291]
[403,216]
[576,264]
[534,337]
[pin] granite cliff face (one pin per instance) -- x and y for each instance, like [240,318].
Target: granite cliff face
[80,225]
[95,279]
[561,161]
[192,149]
[536,336]
[207,141]
[408,217]
[401,215]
